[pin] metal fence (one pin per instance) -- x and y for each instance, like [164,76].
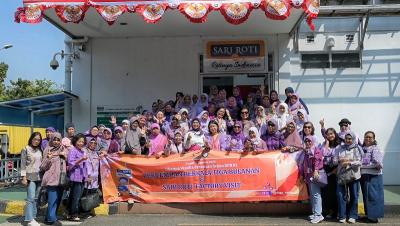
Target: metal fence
[10,170]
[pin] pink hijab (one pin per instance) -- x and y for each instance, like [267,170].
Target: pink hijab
[293,139]
[158,142]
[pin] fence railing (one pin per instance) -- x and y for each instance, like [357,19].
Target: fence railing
[10,170]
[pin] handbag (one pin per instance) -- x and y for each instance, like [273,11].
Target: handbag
[90,201]
[64,179]
[346,175]
[322,180]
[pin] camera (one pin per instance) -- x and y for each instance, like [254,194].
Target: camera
[54,64]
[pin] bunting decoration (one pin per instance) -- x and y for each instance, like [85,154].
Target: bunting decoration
[234,11]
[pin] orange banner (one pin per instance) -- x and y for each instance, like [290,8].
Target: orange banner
[220,177]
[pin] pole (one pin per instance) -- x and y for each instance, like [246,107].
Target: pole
[67,84]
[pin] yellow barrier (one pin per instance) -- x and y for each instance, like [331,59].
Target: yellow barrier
[18,136]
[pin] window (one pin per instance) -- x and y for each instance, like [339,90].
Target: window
[315,60]
[346,60]
[331,60]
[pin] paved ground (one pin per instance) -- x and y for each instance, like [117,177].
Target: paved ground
[200,220]
[392,194]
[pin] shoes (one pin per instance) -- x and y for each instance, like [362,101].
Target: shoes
[33,223]
[342,220]
[352,221]
[74,219]
[311,217]
[373,221]
[317,219]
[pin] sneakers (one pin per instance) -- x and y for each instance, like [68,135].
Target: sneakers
[342,220]
[33,223]
[317,219]
[352,221]
[311,217]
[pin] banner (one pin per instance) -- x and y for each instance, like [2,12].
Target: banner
[220,177]
[235,56]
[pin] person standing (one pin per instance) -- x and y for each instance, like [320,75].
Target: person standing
[77,174]
[348,158]
[49,132]
[371,179]
[31,158]
[54,167]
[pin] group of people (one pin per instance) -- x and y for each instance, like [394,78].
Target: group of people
[256,123]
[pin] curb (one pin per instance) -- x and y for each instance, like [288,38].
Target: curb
[17,208]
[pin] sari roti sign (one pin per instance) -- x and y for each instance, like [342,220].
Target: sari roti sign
[221,177]
[235,56]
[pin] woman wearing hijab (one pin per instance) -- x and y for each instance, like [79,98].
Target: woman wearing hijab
[222,98]
[246,121]
[202,104]
[289,92]
[212,110]
[187,104]
[236,141]
[118,135]
[184,119]
[204,120]
[273,138]
[301,118]
[249,104]
[348,157]
[174,127]
[294,104]
[312,164]
[232,108]
[292,137]
[107,144]
[282,116]
[256,141]
[261,119]
[157,141]
[175,146]
[237,96]
[54,167]
[215,141]
[92,169]
[274,98]
[31,158]
[131,140]
[371,178]
[194,139]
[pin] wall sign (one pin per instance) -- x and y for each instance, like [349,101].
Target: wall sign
[104,114]
[235,56]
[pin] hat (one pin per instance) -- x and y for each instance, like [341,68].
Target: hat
[155,125]
[69,125]
[118,128]
[108,129]
[344,121]
[125,121]
[50,129]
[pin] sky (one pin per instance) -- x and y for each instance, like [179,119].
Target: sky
[33,46]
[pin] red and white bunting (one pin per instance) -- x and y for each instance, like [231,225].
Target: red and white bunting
[234,11]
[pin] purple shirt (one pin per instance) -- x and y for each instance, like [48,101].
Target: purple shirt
[92,169]
[76,172]
[372,160]
[313,160]
[275,141]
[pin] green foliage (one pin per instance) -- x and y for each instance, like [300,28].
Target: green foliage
[22,88]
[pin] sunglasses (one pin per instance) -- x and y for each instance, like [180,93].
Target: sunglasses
[307,141]
[307,127]
[118,131]
[344,125]
[244,112]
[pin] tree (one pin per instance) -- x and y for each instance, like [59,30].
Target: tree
[22,88]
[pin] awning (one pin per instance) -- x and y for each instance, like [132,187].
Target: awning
[51,102]
[196,11]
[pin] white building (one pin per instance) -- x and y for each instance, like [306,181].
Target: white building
[349,67]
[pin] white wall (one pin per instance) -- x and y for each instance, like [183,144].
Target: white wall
[368,96]
[136,71]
